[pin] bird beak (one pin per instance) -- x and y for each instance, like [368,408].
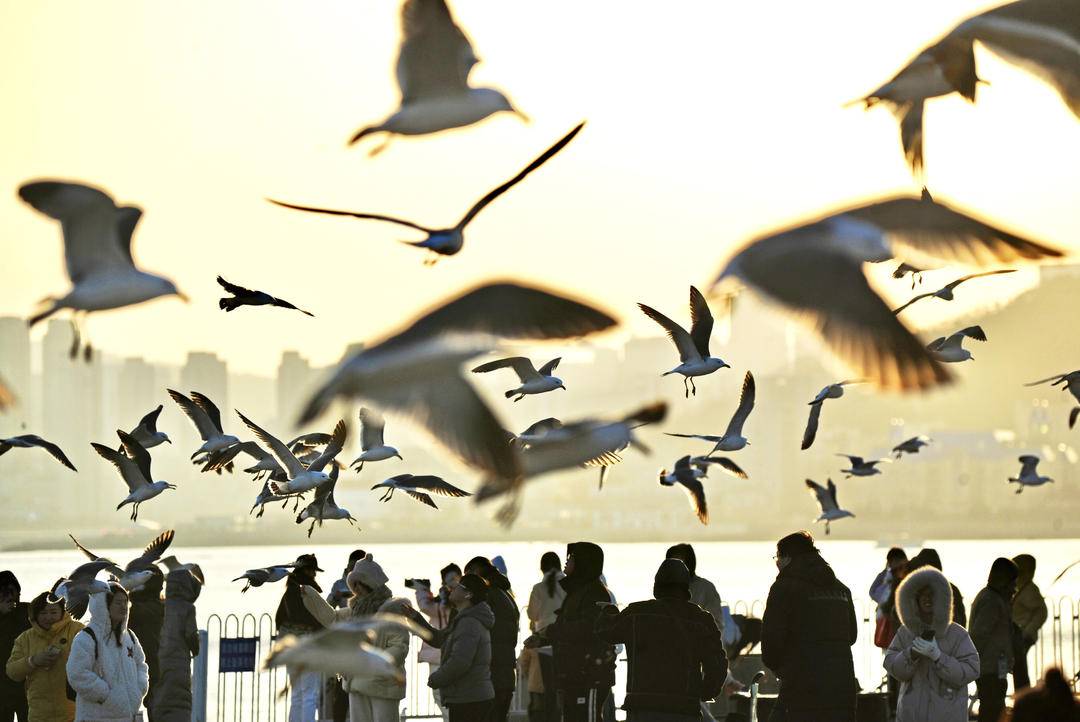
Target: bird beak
[183,297]
[524,118]
[640,447]
[168,440]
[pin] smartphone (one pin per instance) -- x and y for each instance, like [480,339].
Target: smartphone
[928,635]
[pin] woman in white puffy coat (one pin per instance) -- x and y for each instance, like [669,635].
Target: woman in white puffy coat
[110,676]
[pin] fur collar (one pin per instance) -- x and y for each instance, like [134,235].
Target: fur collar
[908,609]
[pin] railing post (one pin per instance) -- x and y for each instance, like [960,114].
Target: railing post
[199,679]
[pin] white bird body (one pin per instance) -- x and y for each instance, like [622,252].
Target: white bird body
[431,115]
[300,477]
[732,438]
[207,419]
[378,453]
[346,648]
[826,498]
[146,432]
[950,349]
[692,345]
[533,381]
[134,467]
[264,575]
[1029,474]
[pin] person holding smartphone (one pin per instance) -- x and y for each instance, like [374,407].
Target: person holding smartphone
[39,659]
[932,656]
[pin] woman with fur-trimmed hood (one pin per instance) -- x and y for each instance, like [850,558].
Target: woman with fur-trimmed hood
[933,657]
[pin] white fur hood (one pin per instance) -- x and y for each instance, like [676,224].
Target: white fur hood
[908,608]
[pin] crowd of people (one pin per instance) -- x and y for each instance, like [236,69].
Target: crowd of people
[132,659]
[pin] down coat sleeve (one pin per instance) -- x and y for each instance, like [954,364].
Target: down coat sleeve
[961,668]
[142,671]
[457,663]
[18,664]
[774,628]
[898,660]
[323,613]
[81,673]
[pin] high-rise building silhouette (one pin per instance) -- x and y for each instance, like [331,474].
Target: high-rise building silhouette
[294,381]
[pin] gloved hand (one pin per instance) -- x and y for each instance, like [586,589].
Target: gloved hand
[45,658]
[927,648]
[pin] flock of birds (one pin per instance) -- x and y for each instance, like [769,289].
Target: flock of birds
[814,270]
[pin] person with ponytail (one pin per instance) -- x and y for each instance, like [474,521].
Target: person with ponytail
[547,595]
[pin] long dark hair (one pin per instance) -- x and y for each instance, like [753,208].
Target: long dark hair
[115,628]
[550,565]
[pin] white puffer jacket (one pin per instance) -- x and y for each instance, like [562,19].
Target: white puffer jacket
[111,687]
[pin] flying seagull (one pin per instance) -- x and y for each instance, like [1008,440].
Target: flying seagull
[832,391]
[1040,36]
[862,467]
[416,486]
[433,67]
[265,463]
[137,572]
[911,446]
[826,499]
[346,648]
[264,575]
[949,349]
[1071,383]
[97,251]
[207,419]
[945,293]
[693,346]
[77,587]
[815,271]
[689,479]
[536,432]
[1029,476]
[448,241]
[533,381]
[134,467]
[300,477]
[146,432]
[29,441]
[372,445]
[246,297]
[267,496]
[417,371]
[732,440]
[324,507]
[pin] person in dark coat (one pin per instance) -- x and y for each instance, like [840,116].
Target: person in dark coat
[1051,701]
[14,620]
[676,650]
[144,620]
[930,557]
[179,643]
[584,663]
[992,632]
[293,617]
[807,632]
[504,634]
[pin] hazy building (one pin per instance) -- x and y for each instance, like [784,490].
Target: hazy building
[138,391]
[295,377]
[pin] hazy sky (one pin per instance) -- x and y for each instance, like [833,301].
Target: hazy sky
[708,123]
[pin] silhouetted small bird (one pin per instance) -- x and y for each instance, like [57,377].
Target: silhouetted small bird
[246,297]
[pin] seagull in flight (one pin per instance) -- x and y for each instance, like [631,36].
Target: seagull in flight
[945,293]
[949,349]
[134,467]
[416,486]
[300,477]
[146,432]
[246,297]
[536,432]
[433,67]
[533,381]
[265,464]
[267,496]
[832,391]
[1041,37]
[693,346]
[372,445]
[448,241]
[826,499]
[345,648]
[861,467]
[911,446]
[733,438]
[1070,382]
[815,271]
[77,587]
[137,572]
[324,507]
[207,419]
[1029,476]
[97,252]
[702,464]
[29,441]
[417,371]
[264,575]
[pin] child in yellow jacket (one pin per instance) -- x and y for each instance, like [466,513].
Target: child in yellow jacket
[39,658]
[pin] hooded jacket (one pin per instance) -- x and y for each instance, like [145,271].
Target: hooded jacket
[930,557]
[465,672]
[145,618]
[931,690]
[807,631]
[504,633]
[702,592]
[46,689]
[1029,610]
[393,641]
[111,687]
[582,659]
[171,700]
[991,631]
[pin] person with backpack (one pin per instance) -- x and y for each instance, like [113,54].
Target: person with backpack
[106,667]
[38,660]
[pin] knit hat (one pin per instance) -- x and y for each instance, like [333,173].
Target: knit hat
[367,572]
[476,586]
[672,580]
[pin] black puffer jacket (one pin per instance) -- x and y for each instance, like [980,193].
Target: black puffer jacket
[179,642]
[504,633]
[144,620]
[292,617]
[582,659]
[676,655]
[807,631]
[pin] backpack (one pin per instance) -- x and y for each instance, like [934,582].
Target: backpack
[68,689]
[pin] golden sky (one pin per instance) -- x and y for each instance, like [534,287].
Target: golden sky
[708,123]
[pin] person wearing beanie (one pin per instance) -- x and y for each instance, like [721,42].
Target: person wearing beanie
[807,632]
[145,620]
[930,557]
[335,696]
[293,617]
[39,657]
[1029,613]
[991,630]
[676,650]
[1052,701]
[338,596]
[584,662]
[463,678]
[371,699]
[932,656]
[504,634]
[14,620]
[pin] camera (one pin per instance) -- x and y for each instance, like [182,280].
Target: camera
[418,583]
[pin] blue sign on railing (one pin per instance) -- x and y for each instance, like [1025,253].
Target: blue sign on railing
[237,654]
